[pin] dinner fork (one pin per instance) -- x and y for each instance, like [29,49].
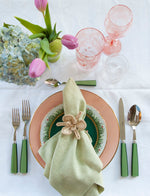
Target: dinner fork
[26,114]
[14,157]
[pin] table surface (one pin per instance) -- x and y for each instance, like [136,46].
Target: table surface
[134,88]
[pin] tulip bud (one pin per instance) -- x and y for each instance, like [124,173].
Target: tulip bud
[41,5]
[69,41]
[37,67]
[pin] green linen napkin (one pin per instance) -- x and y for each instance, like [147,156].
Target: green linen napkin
[72,165]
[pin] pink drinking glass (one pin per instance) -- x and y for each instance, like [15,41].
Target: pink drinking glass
[117,22]
[90,46]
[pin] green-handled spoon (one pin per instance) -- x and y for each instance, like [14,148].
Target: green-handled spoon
[134,118]
[55,83]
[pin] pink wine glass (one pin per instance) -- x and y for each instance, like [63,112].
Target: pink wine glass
[90,46]
[117,22]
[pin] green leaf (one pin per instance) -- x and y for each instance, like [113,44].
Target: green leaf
[6,25]
[51,37]
[58,33]
[41,53]
[46,48]
[55,28]
[48,20]
[56,36]
[31,27]
[46,61]
[37,35]
[53,34]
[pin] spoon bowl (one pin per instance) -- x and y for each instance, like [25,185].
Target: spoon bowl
[134,116]
[52,82]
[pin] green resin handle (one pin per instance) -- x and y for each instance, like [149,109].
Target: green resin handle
[135,165]
[14,159]
[86,82]
[24,157]
[124,160]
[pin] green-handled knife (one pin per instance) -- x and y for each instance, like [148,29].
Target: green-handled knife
[124,159]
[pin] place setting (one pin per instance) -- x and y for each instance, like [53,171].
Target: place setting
[97,118]
[71,127]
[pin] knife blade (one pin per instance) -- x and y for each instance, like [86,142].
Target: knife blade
[124,159]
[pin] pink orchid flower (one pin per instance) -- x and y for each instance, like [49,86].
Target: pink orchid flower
[69,41]
[41,5]
[37,68]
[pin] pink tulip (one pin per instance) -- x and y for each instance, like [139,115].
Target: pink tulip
[37,67]
[41,5]
[69,41]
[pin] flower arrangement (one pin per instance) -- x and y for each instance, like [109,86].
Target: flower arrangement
[50,42]
[17,51]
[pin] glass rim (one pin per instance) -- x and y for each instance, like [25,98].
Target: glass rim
[91,28]
[110,57]
[120,5]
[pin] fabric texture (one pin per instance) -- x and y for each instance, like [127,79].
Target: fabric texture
[72,166]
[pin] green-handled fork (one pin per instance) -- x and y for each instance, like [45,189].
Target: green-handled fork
[14,157]
[26,114]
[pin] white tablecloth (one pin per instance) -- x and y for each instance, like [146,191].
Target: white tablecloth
[134,88]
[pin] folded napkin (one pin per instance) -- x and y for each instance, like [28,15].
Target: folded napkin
[72,165]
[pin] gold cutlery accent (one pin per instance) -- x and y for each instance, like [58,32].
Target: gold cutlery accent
[26,114]
[14,157]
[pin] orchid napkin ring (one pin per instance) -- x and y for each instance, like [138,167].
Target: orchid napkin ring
[72,124]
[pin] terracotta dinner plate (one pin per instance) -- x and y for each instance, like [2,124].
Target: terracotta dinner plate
[93,100]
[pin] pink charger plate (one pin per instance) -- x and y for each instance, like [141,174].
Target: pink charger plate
[92,99]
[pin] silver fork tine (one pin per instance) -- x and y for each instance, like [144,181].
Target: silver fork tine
[17,115]
[29,114]
[13,115]
[25,108]
[22,108]
[27,105]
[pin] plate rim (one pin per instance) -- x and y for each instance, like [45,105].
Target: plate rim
[82,91]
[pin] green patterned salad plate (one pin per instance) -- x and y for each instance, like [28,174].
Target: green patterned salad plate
[95,126]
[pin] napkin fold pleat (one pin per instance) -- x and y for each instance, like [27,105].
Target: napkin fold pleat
[72,166]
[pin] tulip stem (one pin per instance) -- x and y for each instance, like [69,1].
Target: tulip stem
[43,55]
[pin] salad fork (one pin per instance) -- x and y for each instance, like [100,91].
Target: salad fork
[26,114]
[14,157]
